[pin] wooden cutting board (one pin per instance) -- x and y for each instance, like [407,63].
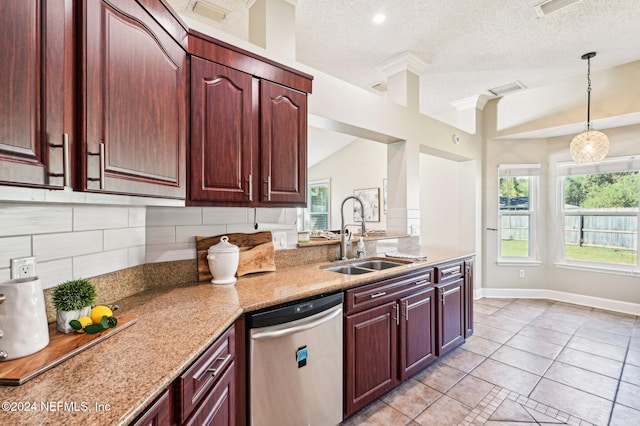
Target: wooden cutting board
[257,253]
[60,348]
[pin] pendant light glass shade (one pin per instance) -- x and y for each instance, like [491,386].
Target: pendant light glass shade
[590,146]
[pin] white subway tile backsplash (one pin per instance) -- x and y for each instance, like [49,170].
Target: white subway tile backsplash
[225,215]
[243,228]
[11,247]
[99,217]
[137,216]
[160,234]
[58,246]
[55,272]
[137,256]
[5,274]
[158,216]
[170,252]
[291,215]
[22,219]
[123,238]
[272,215]
[187,234]
[100,263]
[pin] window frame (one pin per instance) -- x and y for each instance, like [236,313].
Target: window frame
[531,171]
[608,165]
[304,214]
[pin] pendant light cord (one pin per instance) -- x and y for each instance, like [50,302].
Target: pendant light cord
[588,93]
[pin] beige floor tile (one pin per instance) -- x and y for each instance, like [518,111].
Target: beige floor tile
[484,309]
[504,323]
[444,412]
[520,313]
[602,336]
[579,378]
[521,359]
[573,401]
[508,377]
[480,345]
[511,411]
[507,423]
[378,414]
[554,324]
[591,362]
[629,395]
[492,333]
[610,326]
[570,308]
[412,398]
[634,343]
[440,376]
[631,374]
[470,391]
[603,349]
[633,357]
[462,359]
[545,334]
[618,317]
[535,346]
[500,303]
[542,418]
[624,416]
[542,304]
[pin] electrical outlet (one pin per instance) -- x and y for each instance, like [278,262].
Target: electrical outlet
[22,267]
[521,273]
[280,239]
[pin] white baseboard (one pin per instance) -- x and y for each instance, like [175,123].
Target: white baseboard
[560,296]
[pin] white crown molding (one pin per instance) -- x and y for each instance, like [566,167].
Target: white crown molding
[476,101]
[560,296]
[403,62]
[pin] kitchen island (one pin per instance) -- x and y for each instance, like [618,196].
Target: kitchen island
[114,381]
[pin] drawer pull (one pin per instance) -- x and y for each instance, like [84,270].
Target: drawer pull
[421,282]
[451,271]
[379,294]
[215,371]
[397,308]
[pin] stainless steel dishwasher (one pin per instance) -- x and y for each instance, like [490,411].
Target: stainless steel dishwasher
[295,363]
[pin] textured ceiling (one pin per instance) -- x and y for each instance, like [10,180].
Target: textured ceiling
[469,46]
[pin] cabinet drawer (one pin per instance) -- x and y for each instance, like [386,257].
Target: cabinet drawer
[217,408]
[195,382]
[449,272]
[370,295]
[160,413]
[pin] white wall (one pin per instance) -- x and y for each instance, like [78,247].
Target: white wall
[361,164]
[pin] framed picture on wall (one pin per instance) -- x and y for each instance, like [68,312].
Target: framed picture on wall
[371,199]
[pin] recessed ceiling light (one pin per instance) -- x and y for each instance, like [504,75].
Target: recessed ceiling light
[379,18]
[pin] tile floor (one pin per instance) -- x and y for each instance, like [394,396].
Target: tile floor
[529,362]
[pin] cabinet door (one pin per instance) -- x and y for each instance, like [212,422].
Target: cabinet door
[417,334]
[36,111]
[218,408]
[450,315]
[221,134]
[283,144]
[135,103]
[370,355]
[160,413]
[468,297]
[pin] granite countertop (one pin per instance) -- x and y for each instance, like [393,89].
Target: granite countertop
[126,372]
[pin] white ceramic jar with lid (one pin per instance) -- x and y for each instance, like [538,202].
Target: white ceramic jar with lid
[223,261]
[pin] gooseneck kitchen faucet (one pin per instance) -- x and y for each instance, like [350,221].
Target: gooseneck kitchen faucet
[343,242]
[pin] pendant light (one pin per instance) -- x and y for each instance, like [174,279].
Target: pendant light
[590,146]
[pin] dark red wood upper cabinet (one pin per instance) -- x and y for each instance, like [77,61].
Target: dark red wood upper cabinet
[36,75]
[283,144]
[221,134]
[134,104]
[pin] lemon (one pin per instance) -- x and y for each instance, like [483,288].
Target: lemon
[98,312]
[85,321]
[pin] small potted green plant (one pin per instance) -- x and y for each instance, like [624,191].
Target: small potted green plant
[72,300]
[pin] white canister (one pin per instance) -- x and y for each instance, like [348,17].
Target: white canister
[223,261]
[23,318]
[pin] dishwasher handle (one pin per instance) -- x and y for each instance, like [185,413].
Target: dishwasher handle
[330,314]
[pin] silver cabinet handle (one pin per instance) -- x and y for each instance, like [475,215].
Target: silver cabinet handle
[250,183]
[420,282]
[379,294]
[451,271]
[406,310]
[397,308]
[215,371]
[66,160]
[268,182]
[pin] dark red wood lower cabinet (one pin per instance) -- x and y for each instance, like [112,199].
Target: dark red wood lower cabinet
[417,336]
[450,315]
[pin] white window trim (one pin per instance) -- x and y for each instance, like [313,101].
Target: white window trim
[533,172]
[608,165]
[319,182]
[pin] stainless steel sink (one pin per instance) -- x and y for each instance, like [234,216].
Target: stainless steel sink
[359,266]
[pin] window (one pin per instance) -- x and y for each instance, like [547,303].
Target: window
[316,215]
[517,211]
[599,211]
